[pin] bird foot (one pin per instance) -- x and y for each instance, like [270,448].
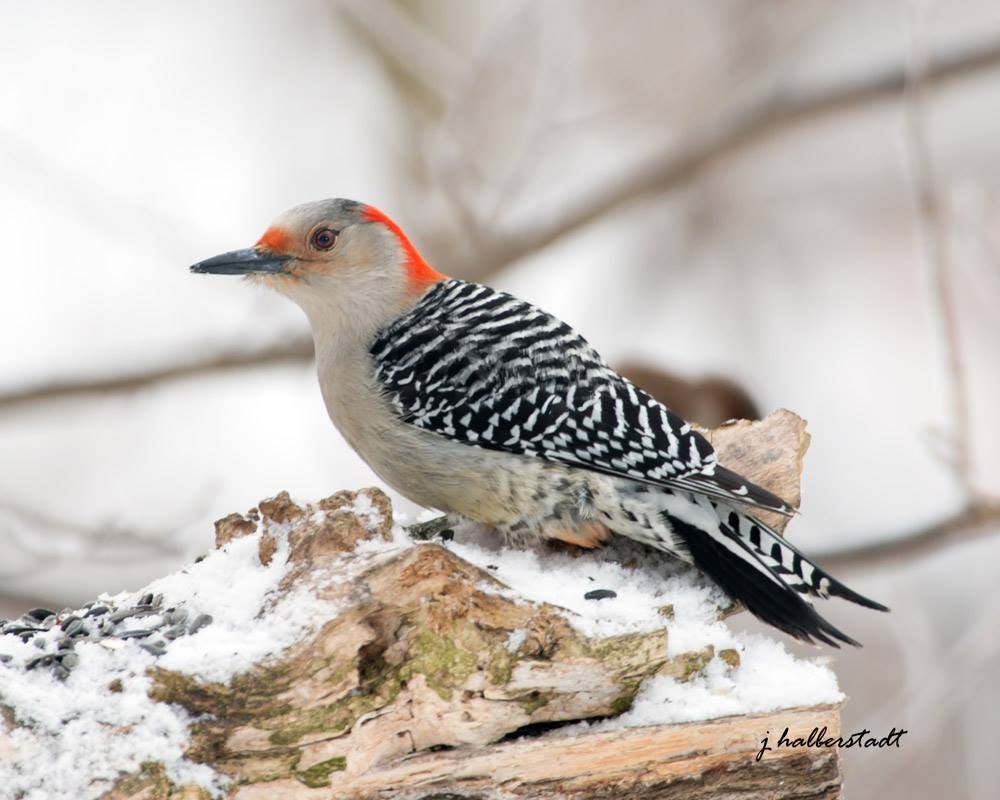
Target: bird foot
[442,527]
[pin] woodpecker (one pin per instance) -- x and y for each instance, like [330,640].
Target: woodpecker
[471,401]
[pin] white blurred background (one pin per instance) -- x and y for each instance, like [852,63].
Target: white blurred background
[802,198]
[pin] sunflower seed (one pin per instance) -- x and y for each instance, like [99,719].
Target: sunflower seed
[40,613]
[21,630]
[200,622]
[69,660]
[135,634]
[176,615]
[600,594]
[175,632]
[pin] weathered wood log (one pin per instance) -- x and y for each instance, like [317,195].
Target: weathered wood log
[692,761]
[419,657]
[430,679]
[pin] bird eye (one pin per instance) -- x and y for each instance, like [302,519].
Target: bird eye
[324,238]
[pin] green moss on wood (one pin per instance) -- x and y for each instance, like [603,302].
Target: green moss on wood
[501,666]
[334,719]
[624,701]
[533,701]
[686,666]
[318,775]
[151,781]
[444,665]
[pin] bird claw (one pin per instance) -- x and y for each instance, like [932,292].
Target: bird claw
[439,527]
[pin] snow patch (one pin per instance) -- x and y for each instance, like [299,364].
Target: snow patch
[78,735]
[516,639]
[654,591]
[768,678]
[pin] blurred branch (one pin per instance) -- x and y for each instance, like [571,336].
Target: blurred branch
[669,172]
[411,49]
[55,540]
[295,350]
[980,516]
[931,228]
[666,173]
[978,520]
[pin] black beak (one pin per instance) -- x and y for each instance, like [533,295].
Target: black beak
[243,262]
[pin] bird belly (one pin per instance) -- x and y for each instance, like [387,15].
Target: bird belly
[520,496]
[526,498]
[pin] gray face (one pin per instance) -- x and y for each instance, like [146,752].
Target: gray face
[337,212]
[301,241]
[346,264]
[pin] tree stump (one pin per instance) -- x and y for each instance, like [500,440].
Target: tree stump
[430,679]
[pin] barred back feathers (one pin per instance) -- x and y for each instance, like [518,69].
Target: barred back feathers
[481,367]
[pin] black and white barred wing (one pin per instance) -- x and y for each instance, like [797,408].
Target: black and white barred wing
[482,367]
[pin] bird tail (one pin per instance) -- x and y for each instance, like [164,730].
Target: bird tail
[756,566]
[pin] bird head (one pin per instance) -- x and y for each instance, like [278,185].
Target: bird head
[334,256]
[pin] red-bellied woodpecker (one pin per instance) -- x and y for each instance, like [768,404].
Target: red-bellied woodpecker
[468,400]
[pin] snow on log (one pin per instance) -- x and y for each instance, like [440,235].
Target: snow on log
[319,651]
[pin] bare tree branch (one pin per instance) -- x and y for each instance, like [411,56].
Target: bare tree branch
[296,350]
[980,516]
[408,46]
[673,170]
[64,539]
[931,226]
[977,521]
[33,541]
[665,174]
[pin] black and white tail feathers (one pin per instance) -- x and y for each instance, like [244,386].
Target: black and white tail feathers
[719,482]
[755,565]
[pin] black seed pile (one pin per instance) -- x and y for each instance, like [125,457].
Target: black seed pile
[56,634]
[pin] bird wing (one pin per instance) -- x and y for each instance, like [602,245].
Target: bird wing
[484,368]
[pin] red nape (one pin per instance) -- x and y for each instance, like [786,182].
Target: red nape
[273,239]
[421,273]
